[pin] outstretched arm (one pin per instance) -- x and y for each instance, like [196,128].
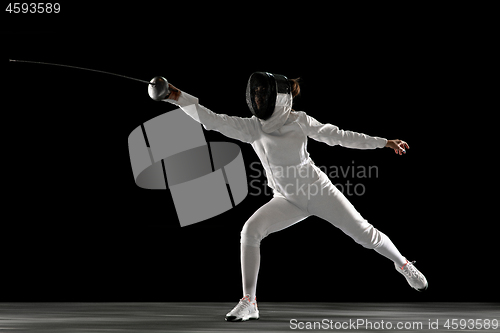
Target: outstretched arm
[332,135]
[243,129]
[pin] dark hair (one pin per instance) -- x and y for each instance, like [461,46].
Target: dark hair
[295,85]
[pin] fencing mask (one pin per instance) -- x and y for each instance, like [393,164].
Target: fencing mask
[269,98]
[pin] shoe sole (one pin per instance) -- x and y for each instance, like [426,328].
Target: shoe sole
[424,288]
[234,319]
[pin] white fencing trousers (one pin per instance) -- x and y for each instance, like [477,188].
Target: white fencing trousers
[329,204]
[298,195]
[281,212]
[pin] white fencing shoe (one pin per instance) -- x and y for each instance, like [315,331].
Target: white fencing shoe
[416,279]
[245,310]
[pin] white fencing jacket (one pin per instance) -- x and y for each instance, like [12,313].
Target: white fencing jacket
[286,144]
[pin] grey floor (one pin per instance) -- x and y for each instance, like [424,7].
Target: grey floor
[275,317]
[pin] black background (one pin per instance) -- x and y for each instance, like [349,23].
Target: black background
[77,228]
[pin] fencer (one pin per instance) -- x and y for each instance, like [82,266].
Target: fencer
[279,136]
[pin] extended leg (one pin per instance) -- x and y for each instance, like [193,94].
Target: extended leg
[331,205]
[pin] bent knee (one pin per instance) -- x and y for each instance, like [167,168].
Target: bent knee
[250,239]
[252,235]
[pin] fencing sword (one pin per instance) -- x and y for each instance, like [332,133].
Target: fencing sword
[157,87]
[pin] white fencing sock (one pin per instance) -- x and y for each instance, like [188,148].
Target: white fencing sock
[250,263]
[389,250]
